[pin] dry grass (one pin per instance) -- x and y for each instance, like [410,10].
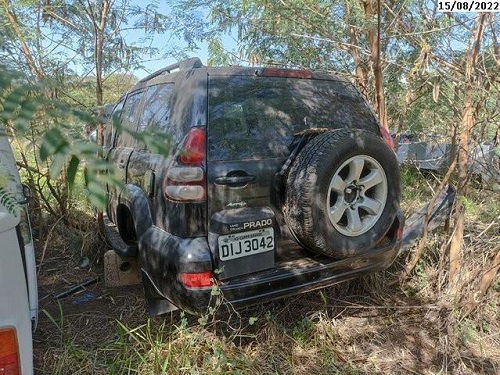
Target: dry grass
[381,324]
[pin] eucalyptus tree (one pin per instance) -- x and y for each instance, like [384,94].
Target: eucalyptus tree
[361,39]
[59,45]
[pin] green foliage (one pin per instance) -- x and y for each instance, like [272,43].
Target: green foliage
[302,331]
[68,26]
[7,197]
[422,51]
[8,200]
[469,204]
[80,92]
[45,119]
[56,148]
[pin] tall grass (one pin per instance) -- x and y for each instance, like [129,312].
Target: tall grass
[381,324]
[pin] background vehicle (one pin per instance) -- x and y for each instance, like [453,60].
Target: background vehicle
[18,286]
[277,182]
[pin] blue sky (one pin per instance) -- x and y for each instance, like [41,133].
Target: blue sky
[159,41]
[158,63]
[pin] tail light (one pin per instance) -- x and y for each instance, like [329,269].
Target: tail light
[9,359]
[186,178]
[287,73]
[196,280]
[399,233]
[387,137]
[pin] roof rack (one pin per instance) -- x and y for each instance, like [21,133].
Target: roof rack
[191,63]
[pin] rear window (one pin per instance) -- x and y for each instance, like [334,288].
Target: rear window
[257,117]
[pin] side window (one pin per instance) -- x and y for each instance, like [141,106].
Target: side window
[129,115]
[110,129]
[156,111]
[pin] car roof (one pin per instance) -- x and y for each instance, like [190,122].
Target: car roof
[169,73]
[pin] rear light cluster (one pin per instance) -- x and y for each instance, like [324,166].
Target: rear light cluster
[9,360]
[286,73]
[186,178]
[387,137]
[196,279]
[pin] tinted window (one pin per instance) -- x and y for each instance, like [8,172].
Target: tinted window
[129,115]
[110,131]
[255,117]
[156,111]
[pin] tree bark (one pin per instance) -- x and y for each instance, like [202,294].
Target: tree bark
[361,76]
[30,60]
[372,8]
[468,121]
[98,14]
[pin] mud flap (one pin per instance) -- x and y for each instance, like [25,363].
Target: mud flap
[155,303]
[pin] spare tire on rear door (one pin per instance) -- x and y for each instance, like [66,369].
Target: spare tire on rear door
[342,193]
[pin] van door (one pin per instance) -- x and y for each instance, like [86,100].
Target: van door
[18,285]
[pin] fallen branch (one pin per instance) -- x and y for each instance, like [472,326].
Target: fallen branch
[486,281]
[42,257]
[490,274]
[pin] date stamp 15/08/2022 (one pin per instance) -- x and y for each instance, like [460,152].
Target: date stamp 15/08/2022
[465,6]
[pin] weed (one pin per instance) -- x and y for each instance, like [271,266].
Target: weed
[301,332]
[467,331]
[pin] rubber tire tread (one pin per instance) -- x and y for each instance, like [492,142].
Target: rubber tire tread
[305,215]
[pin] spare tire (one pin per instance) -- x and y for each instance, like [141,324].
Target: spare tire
[342,193]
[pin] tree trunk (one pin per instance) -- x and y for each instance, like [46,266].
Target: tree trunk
[468,121]
[372,8]
[98,14]
[361,76]
[100,29]
[37,71]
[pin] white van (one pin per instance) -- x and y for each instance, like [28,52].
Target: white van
[18,286]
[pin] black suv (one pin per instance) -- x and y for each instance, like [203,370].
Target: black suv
[278,182]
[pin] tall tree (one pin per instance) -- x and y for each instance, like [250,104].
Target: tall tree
[468,122]
[365,39]
[57,37]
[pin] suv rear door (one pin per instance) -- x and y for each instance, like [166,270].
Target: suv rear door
[252,120]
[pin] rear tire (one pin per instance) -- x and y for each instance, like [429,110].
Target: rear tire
[342,193]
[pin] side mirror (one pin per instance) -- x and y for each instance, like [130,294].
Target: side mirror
[26,191]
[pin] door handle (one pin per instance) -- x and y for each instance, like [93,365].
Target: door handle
[235,180]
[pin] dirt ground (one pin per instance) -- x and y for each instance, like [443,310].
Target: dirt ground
[373,332]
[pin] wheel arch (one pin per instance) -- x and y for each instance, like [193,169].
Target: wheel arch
[133,206]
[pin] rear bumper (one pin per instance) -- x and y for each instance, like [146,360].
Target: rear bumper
[286,279]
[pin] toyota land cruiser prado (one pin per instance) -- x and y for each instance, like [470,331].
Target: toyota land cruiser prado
[277,182]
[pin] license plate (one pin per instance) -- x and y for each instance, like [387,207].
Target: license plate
[233,246]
